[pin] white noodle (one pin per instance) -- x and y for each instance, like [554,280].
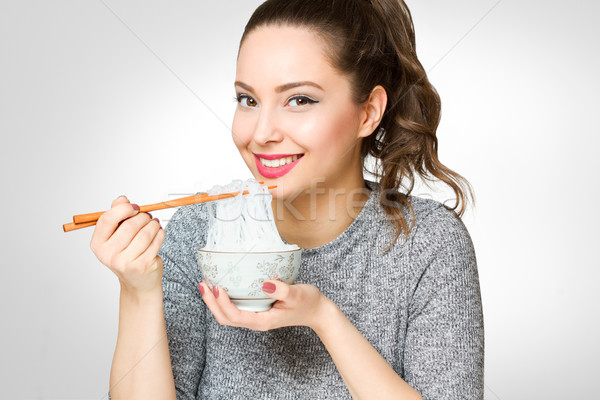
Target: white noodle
[244,222]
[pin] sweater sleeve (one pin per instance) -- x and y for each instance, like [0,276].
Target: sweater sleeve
[444,349]
[183,307]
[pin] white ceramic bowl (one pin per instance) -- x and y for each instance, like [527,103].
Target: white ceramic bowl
[242,274]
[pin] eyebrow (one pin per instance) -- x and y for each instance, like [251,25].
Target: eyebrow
[282,88]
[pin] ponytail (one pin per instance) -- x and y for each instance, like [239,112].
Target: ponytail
[373,42]
[406,146]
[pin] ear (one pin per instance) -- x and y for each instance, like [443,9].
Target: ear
[373,111]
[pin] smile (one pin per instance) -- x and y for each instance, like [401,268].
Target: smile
[278,162]
[276,165]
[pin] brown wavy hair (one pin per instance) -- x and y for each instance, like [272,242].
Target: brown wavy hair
[373,43]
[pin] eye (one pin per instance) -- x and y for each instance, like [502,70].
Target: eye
[298,101]
[246,101]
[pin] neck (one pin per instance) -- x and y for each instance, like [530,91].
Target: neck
[320,214]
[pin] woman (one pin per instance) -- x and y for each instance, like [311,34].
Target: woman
[387,303]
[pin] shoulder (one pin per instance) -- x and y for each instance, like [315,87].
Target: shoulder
[435,230]
[433,225]
[433,222]
[440,244]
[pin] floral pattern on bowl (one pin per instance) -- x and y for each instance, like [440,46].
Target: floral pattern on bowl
[242,274]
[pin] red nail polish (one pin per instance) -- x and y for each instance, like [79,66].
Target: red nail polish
[216,291]
[269,287]
[157,220]
[201,289]
[135,207]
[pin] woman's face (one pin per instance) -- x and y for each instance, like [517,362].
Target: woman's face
[296,123]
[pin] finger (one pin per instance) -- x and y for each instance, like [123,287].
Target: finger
[233,314]
[119,200]
[211,302]
[258,321]
[110,220]
[142,239]
[278,290]
[128,229]
[150,253]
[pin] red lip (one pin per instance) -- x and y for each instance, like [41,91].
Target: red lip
[275,156]
[277,172]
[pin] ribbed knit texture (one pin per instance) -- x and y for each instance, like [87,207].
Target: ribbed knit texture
[417,303]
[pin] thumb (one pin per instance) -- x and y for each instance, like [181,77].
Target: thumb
[119,200]
[276,289]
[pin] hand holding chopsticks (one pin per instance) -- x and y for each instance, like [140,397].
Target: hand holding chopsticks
[85,220]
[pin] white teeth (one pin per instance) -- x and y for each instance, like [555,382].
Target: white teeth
[278,163]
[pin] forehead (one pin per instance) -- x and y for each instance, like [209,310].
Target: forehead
[280,54]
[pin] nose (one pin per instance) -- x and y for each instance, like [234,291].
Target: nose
[267,128]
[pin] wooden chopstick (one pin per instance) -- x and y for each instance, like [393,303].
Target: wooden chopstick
[85,220]
[71,226]
[183,201]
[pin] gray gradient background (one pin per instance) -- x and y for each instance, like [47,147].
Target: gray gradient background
[96,103]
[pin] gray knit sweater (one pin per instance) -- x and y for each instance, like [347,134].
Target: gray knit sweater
[417,303]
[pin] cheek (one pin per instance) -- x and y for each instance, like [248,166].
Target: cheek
[241,131]
[333,130]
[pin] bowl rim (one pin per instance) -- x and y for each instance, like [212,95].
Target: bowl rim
[250,252]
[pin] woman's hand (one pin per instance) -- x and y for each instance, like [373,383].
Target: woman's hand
[127,242]
[299,304]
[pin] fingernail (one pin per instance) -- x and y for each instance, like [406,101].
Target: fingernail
[269,287]
[157,220]
[149,215]
[201,289]
[135,207]
[216,291]
[123,196]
